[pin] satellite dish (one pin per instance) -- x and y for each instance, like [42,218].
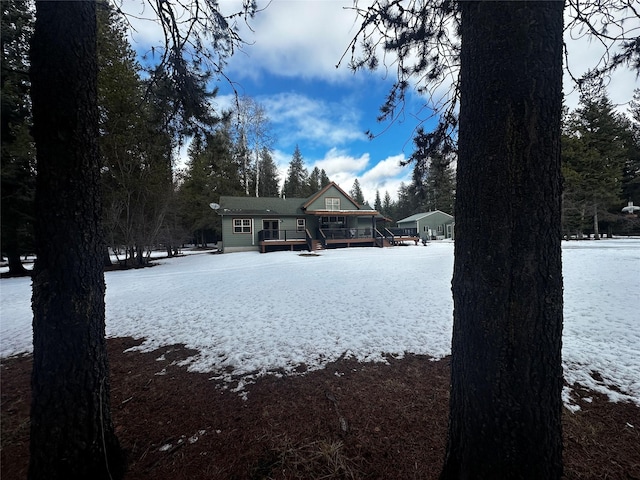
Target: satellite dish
[631,208]
[214,206]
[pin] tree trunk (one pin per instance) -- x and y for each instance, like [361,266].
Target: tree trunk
[506,370]
[72,434]
[12,250]
[106,257]
[596,228]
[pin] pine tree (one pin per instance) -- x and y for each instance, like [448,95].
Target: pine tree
[631,170]
[314,180]
[433,181]
[268,174]
[356,192]
[388,206]
[440,184]
[595,149]
[324,179]
[296,184]
[211,172]
[122,126]
[71,430]
[405,206]
[377,205]
[17,167]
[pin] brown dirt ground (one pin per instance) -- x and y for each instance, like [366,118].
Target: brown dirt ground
[349,420]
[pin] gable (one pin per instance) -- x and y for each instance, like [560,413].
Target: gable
[331,198]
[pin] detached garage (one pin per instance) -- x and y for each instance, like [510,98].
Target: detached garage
[434,225]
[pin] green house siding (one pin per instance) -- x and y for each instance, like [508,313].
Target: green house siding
[440,224]
[232,241]
[250,223]
[320,203]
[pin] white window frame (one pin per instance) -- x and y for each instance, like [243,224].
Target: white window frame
[330,203]
[301,224]
[242,225]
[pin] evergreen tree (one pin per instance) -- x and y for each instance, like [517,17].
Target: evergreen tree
[17,161]
[377,205]
[195,192]
[356,192]
[595,149]
[440,184]
[71,430]
[388,207]
[122,126]
[405,206]
[314,180]
[296,185]
[268,175]
[211,172]
[507,281]
[433,180]
[631,169]
[324,179]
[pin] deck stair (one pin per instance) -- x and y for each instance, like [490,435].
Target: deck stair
[317,245]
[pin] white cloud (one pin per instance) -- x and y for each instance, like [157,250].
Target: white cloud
[302,39]
[321,122]
[344,169]
[385,176]
[387,168]
[339,165]
[298,119]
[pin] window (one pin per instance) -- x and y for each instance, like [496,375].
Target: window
[332,222]
[301,225]
[332,203]
[241,225]
[439,228]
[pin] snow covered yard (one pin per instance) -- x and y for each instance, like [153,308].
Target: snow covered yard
[248,313]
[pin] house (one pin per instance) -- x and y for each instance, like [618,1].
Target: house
[329,218]
[434,225]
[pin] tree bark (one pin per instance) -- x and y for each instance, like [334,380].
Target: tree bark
[506,371]
[72,434]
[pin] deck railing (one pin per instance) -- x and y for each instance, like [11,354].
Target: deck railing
[345,233]
[282,235]
[380,238]
[403,232]
[309,239]
[322,237]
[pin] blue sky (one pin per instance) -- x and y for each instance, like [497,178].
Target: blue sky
[289,67]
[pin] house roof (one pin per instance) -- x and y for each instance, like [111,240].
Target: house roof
[419,216]
[289,206]
[260,206]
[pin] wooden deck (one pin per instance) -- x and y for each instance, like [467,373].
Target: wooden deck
[331,238]
[349,242]
[277,244]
